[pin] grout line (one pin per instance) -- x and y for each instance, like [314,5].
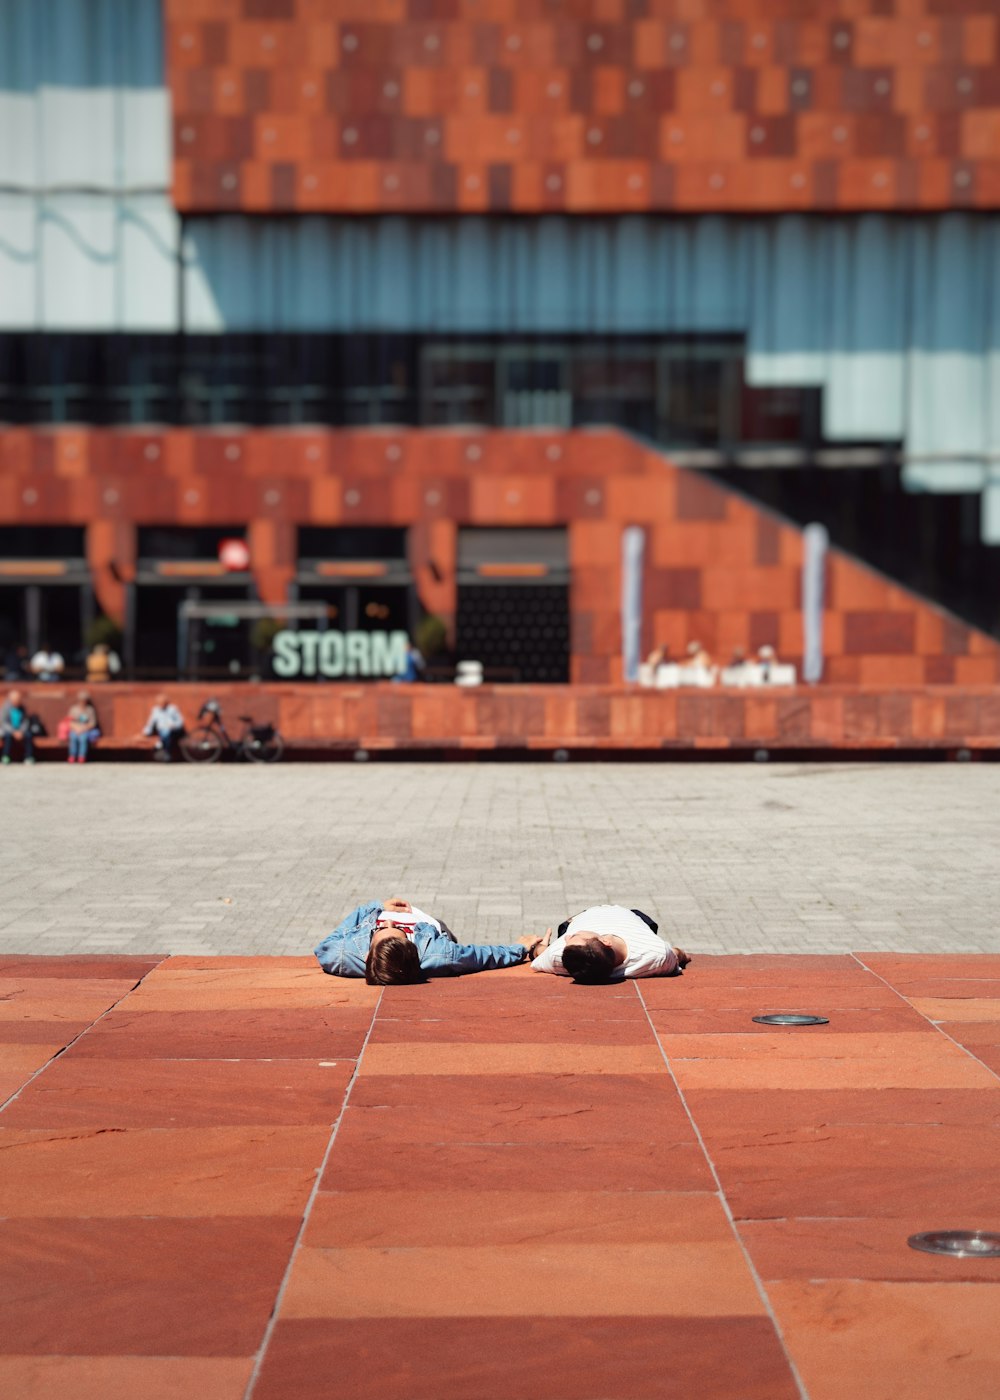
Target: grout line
[80,1034]
[282,1287]
[936,1024]
[758,1282]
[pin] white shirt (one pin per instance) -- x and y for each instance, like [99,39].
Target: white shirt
[407,920]
[646,953]
[164,719]
[47,663]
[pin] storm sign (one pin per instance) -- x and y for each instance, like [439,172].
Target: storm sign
[334,654]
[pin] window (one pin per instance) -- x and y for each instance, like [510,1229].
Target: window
[680,391]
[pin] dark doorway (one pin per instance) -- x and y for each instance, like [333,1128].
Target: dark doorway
[520,632]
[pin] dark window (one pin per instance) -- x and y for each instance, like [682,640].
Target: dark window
[351,542]
[184,542]
[42,542]
[680,391]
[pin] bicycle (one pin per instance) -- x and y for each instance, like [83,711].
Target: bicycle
[260,743]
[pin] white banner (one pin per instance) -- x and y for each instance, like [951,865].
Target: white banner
[633,548]
[816,541]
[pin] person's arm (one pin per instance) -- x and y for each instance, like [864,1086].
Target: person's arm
[655,963]
[677,962]
[460,958]
[348,925]
[549,956]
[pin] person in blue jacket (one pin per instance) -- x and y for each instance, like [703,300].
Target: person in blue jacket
[390,943]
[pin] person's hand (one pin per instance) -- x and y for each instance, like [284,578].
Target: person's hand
[682,958]
[534,944]
[398,906]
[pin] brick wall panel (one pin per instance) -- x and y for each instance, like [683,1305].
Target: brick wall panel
[703,580]
[881,633]
[795,77]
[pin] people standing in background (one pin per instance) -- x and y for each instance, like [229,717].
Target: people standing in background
[15,726]
[413,667]
[16,664]
[47,665]
[698,656]
[102,664]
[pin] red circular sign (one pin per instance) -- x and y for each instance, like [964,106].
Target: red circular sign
[234,556]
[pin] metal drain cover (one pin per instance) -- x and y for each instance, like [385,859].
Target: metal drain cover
[960,1244]
[791,1018]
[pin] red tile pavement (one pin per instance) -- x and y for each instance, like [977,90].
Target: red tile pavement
[502,1187]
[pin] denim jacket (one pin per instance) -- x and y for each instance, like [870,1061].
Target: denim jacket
[343,953]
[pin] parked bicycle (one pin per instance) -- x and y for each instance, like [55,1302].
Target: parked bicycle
[260,743]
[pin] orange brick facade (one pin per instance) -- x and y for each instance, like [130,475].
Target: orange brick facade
[584,105]
[386,718]
[717,568]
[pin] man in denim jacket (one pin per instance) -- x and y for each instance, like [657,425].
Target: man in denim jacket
[392,943]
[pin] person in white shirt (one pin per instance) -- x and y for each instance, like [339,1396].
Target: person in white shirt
[167,723]
[608,943]
[47,665]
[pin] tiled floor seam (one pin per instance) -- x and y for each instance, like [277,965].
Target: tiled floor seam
[758,1281]
[307,1212]
[936,1024]
[12,1098]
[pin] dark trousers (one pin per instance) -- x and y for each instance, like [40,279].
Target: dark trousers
[26,739]
[644,917]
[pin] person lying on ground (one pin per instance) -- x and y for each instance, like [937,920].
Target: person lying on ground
[608,943]
[389,942]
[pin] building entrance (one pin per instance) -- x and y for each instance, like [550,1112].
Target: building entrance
[46,599]
[177,566]
[513,604]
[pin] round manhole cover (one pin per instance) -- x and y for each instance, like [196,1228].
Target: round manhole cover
[960,1244]
[791,1018]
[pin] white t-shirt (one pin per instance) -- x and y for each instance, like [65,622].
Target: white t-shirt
[47,663]
[407,920]
[647,955]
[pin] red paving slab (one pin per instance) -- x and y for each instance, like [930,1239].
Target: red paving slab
[506,1186]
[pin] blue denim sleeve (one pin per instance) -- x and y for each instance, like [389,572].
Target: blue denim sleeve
[481,957]
[348,925]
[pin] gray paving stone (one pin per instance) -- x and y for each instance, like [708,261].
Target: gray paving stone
[741,858]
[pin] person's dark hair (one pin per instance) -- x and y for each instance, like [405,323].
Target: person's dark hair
[592,961]
[393,962]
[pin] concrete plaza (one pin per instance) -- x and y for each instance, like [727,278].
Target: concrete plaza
[507,1185]
[731,858]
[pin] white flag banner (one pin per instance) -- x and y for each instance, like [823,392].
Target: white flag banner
[633,548]
[816,542]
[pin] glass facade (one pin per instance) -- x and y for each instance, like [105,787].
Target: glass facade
[680,391]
